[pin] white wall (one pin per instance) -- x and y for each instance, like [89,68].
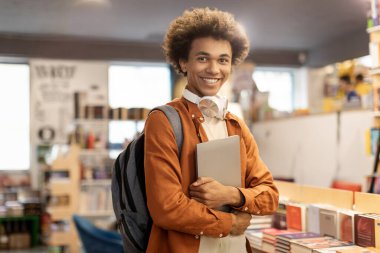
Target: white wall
[308,150]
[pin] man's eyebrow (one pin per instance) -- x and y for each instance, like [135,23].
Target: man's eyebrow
[202,53]
[225,55]
[205,53]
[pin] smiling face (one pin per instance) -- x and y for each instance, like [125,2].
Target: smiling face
[208,65]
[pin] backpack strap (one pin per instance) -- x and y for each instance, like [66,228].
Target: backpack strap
[174,119]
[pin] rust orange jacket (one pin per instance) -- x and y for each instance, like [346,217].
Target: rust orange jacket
[178,221]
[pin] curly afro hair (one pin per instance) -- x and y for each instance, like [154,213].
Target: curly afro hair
[200,23]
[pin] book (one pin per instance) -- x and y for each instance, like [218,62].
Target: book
[256,219]
[308,245]
[343,249]
[220,159]
[268,247]
[270,234]
[283,241]
[260,222]
[295,236]
[328,223]
[373,180]
[279,217]
[346,225]
[367,230]
[296,216]
[313,217]
[254,238]
[374,138]
[79,104]
[374,53]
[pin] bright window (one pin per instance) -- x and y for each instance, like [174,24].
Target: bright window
[279,83]
[139,85]
[136,85]
[14,114]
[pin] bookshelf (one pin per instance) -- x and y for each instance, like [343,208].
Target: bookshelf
[101,132]
[374,48]
[64,234]
[337,209]
[367,202]
[310,194]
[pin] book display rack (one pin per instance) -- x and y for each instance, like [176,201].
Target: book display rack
[344,218]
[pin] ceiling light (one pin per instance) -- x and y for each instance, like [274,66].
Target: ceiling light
[93,2]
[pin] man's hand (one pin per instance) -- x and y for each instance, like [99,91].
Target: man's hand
[240,222]
[213,194]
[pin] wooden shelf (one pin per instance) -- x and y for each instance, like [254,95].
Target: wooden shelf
[98,213]
[311,194]
[62,188]
[71,188]
[61,213]
[96,182]
[375,71]
[374,29]
[99,151]
[367,202]
[59,238]
[91,121]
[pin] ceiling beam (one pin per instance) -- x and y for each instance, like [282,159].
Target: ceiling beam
[77,48]
[348,47]
[33,46]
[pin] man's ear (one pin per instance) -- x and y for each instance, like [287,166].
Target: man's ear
[183,65]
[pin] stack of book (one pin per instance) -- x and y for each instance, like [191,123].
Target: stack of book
[260,222]
[283,241]
[269,238]
[255,238]
[310,245]
[254,232]
[347,249]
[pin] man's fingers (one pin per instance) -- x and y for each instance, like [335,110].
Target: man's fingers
[202,180]
[196,194]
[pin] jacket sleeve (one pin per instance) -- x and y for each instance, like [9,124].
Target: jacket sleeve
[260,193]
[168,204]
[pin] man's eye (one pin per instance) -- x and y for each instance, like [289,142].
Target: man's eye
[224,61]
[202,59]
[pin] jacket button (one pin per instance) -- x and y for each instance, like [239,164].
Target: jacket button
[246,209]
[221,235]
[196,237]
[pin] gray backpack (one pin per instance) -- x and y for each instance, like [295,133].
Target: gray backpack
[128,188]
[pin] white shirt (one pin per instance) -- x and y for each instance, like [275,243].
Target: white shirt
[216,129]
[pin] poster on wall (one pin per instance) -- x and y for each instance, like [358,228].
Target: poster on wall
[54,83]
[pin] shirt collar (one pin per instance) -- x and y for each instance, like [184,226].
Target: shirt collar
[206,104]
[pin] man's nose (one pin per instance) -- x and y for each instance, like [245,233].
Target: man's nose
[213,67]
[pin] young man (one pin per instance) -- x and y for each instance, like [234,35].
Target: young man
[202,44]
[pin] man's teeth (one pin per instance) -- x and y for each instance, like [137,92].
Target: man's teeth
[210,80]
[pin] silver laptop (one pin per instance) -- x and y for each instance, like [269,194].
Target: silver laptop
[220,159]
